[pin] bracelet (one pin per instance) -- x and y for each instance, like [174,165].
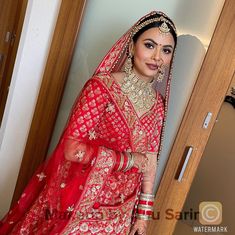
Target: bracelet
[125,162]
[145,206]
[130,162]
[147,196]
[121,163]
[144,217]
[146,202]
[144,212]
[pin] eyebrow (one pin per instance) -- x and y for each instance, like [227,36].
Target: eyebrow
[149,39]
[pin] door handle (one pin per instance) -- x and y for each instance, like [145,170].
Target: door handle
[189,153]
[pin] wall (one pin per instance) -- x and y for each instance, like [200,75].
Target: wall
[99,31]
[34,44]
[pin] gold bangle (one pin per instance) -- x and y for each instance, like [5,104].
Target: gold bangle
[121,162]
[147,196]
[144,217]
[131,161]
[147,207]
[128,162]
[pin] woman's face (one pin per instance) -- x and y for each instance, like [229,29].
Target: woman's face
[152,50]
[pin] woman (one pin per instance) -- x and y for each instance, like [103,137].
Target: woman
[100,177]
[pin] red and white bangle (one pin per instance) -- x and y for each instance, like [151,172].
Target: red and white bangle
[145,206]
[130,162]
[124,162]
[121,162]
[146,196]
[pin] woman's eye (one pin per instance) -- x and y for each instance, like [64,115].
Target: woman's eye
[149,45]
[167,51]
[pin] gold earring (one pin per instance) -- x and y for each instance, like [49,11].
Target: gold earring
[128,65]
[161,74]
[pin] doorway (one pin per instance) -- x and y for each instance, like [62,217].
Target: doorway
[11,22]
[213,185]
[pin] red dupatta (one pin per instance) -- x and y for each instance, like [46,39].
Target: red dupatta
[42,190]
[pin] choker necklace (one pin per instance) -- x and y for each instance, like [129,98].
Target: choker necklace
[139,92]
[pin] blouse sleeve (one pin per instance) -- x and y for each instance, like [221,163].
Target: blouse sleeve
[87,111]
[79,134]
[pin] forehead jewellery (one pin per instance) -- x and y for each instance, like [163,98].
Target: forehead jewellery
[163,27]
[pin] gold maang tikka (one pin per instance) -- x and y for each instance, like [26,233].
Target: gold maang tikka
[164,29]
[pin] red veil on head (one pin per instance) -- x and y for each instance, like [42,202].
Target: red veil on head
[114,60]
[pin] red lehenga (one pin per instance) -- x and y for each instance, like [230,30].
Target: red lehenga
[65,197]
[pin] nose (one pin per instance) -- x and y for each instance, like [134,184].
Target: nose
[157,55]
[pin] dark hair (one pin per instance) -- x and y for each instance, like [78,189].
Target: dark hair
[156,24]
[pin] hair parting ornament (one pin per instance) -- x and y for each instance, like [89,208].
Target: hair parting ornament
[164,29]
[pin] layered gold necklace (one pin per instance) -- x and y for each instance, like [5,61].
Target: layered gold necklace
[140,93]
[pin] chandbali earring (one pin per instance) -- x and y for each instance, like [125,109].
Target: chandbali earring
[161,74]
[128,65]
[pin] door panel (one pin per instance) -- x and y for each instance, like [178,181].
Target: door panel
[208,94]
[7,17]
[213,185]
[11,21]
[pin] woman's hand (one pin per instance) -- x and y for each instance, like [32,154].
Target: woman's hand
[140,161]
[139,227]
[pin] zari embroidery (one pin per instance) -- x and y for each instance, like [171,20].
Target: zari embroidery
[102,168]
[139,139]
[41,176]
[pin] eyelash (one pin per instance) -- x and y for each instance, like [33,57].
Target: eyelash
[151,46]
[167,51]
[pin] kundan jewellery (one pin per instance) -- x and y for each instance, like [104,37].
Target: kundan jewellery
[140,92]
[163,27]
[161,73]
[128,64]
